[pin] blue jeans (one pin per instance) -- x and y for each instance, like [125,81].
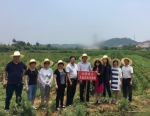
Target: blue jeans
[10,88]
[31,93]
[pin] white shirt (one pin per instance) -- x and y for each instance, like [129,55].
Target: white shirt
[46,76]
[127,71]
[84,66]
[72,70]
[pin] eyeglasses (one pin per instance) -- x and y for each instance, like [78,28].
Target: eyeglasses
[46,63]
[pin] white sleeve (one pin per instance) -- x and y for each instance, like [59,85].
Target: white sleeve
[120,73]
[90,68]
[79,68]
[67,69]
[51,79]
[131,70]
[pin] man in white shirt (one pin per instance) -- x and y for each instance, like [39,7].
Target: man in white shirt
[84,65]
[71,70]
[127,72]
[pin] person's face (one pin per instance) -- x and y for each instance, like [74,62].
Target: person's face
[126,62]
[115,64]
[72,60]
[60,66]
[46,64]
[105,60]
[32,65]
[16,58]
[84,58]
[97,63]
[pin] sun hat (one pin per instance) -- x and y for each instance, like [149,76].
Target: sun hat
[47,60]
[33,61]
[119,62]
[84,55]
[17,53]
[95,59]
[105,56]
[60,61]
[130,61]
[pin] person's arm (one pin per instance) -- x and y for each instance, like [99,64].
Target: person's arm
[120,76]
[55,81]
[51,79]
[68,75]
[26,82]
[4,78]
[24,69]
[110,74]
[131,76]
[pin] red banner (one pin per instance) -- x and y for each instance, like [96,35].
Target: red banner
[87,75]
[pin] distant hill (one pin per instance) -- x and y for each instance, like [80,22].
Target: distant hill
[114,42]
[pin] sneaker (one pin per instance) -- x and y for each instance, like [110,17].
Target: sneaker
[116,103]
[99,102]
[109,101]
[43,108]
[104,101]
[63,106]
[58,109]
[34,107]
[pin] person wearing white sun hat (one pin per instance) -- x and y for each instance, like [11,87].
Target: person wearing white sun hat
[60,82]
[84,65]
[127,71]
[107,77]
[45,80]
[31,76]
[14,73]
[116,80]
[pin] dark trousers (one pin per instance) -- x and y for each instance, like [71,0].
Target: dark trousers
[60,95]
[71,91]
[107,87]
[10,88]
[127,88]
[82,88]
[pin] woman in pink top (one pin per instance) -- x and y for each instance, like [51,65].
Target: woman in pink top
[98,84]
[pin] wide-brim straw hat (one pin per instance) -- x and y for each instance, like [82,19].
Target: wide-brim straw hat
[17,53]
[84,55]
[105,56]
[130,61]
[33,61]
[47,60]
[119,62]
[60,61]
[95,59]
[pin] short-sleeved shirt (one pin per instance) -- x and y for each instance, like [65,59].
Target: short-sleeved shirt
[15,72]
[127,71]
[62,77]
[72,70]
[32,76]
[84,66]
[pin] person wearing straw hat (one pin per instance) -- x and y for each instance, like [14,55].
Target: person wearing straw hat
[31,76]
[45,80]
[116,80]
[107,77]
[71,70]
[60,83]
[14,73]
[99,83]
[127,72]
[84,65]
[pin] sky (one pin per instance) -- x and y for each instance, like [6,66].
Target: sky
[73,21]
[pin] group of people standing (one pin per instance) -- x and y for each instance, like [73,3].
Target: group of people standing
[109,77]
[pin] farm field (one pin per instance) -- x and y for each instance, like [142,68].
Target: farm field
[141,86]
